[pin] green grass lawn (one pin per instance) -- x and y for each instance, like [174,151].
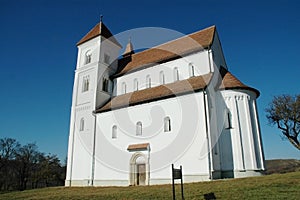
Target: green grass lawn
[276,186]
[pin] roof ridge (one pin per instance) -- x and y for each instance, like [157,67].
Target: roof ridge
[167,51]
[187,35]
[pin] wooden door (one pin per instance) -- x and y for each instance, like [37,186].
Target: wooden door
[141,174]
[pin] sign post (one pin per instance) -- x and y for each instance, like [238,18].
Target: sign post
[177,174]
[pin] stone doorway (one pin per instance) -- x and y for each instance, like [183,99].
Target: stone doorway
[139,170]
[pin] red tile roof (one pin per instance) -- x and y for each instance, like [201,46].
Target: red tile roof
[231,82]
[99,29]
[156,93]
[167,51]
[190,85]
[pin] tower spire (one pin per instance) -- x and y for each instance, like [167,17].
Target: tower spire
[129,49]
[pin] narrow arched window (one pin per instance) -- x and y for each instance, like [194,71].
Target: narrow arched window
[88,57]
[124,88]
[167,124]
[85,83]
[191,70]
[228,123]
[176,74]
[106,59]
[135,85]
[161,77]
[148,81]
[114,132]
[105,83]
[139,128]
[81,125]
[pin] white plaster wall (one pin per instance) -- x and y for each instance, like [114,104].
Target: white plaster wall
[199,60]
[245,135]
[256,135]
[217,52]
[112,50]
[184,145]
[93,46]
[87,96]
[80,151]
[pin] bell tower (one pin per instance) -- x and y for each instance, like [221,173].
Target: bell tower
[97,52]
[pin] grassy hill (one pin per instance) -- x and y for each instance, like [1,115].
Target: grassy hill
[275,186]
[282,166]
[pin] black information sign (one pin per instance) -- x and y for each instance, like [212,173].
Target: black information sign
[177,174]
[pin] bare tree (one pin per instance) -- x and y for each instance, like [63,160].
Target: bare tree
[8,149]
[284,111]
[25,167]
[27,158]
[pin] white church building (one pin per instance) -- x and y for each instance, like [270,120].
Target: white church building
[135,114]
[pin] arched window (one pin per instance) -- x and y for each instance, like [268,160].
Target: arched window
[114,132]
[135,85]
[167,124]
[139,128]
[85,83]
[191,70]
[81,125]
[124,88]
[88,57]
[106,59]
[105,83]
[176,74]
[161,77]
[148,81]
[228,123]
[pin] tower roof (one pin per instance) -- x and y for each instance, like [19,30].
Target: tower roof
[99,29]
[129,49]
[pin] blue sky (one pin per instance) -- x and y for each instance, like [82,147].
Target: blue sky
[260,41]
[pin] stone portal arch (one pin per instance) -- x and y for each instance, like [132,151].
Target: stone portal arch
[139,169]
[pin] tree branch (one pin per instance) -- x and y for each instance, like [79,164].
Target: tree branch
[294,142]
[281,128]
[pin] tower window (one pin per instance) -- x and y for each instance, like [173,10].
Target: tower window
[167,124]
[88,57]
[105,83]
[114,132]
[135,85]
[86,83]
[191,70]
[148,81]
[106,59]
[176,74]
[81,125]
[161,77]
[124,88]
[139,128]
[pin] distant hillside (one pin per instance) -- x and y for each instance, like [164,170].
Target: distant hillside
[281,166]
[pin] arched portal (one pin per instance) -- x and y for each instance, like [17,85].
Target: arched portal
[139,169]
